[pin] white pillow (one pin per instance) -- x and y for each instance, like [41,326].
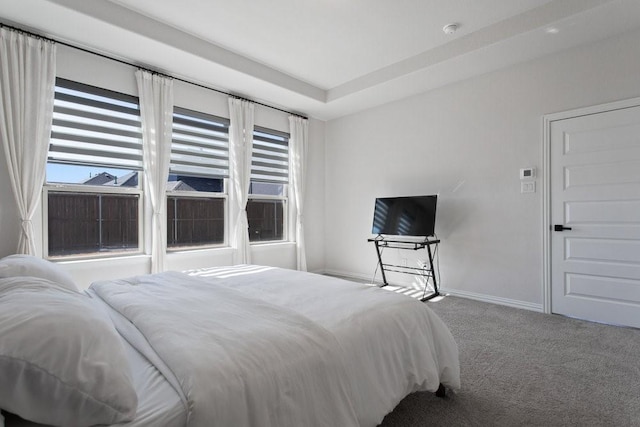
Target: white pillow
[28,265]
[61,360]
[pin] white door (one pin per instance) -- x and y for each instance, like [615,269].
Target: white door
[595,194]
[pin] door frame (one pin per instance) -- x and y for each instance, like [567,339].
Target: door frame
[547,120]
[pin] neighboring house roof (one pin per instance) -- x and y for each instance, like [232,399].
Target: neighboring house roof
[197,183]
[179,186]
[128,180]
[100,179]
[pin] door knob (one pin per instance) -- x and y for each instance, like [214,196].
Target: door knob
[560,227]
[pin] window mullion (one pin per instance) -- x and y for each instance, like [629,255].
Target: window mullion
[100,222]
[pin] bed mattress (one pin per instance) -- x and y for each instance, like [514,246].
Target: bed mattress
[316,350]
[393,344]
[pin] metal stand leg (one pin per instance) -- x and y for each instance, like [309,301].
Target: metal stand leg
[431,274]
[384,277]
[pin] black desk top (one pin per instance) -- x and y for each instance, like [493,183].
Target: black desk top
[409,242]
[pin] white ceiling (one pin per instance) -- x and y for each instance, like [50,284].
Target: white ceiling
[325,58]
[328,42]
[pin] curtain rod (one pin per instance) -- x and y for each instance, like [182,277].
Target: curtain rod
[122,61]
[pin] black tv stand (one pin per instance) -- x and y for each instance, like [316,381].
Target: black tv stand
[426,271]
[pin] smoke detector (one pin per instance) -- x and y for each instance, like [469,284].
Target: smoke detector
[450,28]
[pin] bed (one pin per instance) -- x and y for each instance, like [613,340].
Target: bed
[230,346]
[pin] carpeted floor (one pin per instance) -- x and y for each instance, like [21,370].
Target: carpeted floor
[522,368]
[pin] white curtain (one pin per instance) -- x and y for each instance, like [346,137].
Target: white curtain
[299,130]
[240,146]
[156,110]
[27,83]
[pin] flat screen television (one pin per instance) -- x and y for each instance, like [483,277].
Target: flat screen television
[405,216]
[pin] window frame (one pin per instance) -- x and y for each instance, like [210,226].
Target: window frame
[266,197]
[75,188]
[285,218]
[92,189]
[224,194]
[204,195]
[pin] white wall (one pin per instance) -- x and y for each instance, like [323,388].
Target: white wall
[314,209]
[467,142]
[91,69]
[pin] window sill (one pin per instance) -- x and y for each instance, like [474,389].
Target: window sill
[268,245]
[192,249]
[197,249]
[80,258]
[72,260]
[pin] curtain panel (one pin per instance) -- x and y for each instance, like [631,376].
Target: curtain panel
[156,111]
[299,130]
[240,146]
[27,83]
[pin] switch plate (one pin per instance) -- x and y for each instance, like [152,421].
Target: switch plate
[528,187]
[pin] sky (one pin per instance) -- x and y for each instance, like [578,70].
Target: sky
[72,174]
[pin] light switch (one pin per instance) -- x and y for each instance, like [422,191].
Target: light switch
[528,187]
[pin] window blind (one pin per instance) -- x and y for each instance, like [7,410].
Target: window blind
[95,127]
[200,144]
[270,156]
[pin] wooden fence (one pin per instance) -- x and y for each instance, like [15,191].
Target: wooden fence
[87,222]
[93,222]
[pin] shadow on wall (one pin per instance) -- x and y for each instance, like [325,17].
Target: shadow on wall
[454,209]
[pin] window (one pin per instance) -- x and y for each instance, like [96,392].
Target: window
[193,221]
[266,207]
[196,199]
[91,222]
[92,197]
[266,219]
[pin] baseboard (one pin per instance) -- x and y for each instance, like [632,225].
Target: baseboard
[446,291]
[493,299]
[351,276]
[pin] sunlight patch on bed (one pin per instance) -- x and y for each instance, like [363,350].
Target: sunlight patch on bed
[226,272]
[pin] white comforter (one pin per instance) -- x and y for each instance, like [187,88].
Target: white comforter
[239,360]
[393,344]
[261,346]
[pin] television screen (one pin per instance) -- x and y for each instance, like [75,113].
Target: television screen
[405,216]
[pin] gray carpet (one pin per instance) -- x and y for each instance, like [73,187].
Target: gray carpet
[521,368]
